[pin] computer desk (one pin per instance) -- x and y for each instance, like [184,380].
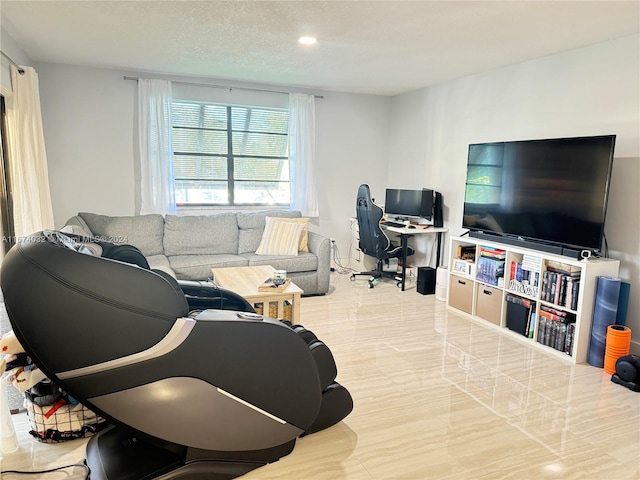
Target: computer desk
[406,233]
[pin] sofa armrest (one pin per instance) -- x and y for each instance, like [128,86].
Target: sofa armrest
[321,246]
[77,226]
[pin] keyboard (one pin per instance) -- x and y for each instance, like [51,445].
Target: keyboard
[394,224]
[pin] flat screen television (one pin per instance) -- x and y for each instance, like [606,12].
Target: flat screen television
[551,191]
[409,203]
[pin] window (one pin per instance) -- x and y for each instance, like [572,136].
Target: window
[484,174]
[230,155]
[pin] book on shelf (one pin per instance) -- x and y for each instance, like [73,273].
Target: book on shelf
[525,302]
[467,252]
[493,252]
[490,270]
[557,294]
[574,295]
[560,314]
[524,280]
[574,274]
[568,345]
[269,285]
[556,328]
[568,293]
[532,324]
[531,316]
[560,289]
[563,268]
[534,278]
[553,317]
[531,262]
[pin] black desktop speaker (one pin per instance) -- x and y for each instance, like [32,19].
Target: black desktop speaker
[426,280]
[438,221]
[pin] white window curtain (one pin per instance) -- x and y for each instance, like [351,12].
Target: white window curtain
[28,171]
[156,150]
[302,154]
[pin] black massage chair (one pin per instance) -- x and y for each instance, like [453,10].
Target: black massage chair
[210,394]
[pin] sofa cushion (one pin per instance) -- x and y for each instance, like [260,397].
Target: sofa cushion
[198,267]
[280,238]
[142,231]
[200,235]
[251,227]
[303,262]
[160,262]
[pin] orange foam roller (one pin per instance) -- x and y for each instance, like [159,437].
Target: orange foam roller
[617,345]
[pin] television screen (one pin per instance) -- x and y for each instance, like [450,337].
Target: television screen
[553,191]
[409,203]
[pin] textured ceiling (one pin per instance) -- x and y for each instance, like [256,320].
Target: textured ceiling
[380,47]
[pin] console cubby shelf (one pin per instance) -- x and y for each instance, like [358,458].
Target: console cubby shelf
[488,300]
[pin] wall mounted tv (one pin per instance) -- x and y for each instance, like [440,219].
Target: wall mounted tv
[553,192]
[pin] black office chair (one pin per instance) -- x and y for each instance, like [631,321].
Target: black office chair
[373,241]
[211,396]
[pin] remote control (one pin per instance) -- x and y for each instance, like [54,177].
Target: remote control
[249,315]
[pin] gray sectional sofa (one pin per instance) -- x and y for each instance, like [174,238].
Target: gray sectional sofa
[187,247]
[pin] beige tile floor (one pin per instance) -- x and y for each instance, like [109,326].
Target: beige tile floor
[437,396]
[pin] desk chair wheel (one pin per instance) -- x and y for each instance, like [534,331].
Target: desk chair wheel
[353,277]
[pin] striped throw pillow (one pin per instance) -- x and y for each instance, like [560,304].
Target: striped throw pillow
[304,236]
[280,238]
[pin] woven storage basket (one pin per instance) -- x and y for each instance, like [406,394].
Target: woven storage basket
[273,310]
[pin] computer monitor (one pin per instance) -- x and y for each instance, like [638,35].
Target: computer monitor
[409,203]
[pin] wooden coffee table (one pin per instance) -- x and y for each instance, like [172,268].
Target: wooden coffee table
[245,281]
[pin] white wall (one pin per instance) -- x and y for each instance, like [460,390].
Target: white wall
[89,122]
[9,46]
[352,143]
[87,116]
[408,164]
[589,91]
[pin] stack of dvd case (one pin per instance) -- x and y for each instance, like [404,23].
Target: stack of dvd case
[556,328]
[490,265]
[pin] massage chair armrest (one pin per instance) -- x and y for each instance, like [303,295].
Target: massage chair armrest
[202,295]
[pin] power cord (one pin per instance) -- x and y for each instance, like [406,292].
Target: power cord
[606,246]
[340,268]
[39,472]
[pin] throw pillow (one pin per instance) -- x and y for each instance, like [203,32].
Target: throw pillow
[304,236]
[73,230]
[280,238]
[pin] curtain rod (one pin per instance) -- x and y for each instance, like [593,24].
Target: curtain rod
[20,69]
[193,84]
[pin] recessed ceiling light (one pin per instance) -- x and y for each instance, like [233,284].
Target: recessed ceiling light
[308,40]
